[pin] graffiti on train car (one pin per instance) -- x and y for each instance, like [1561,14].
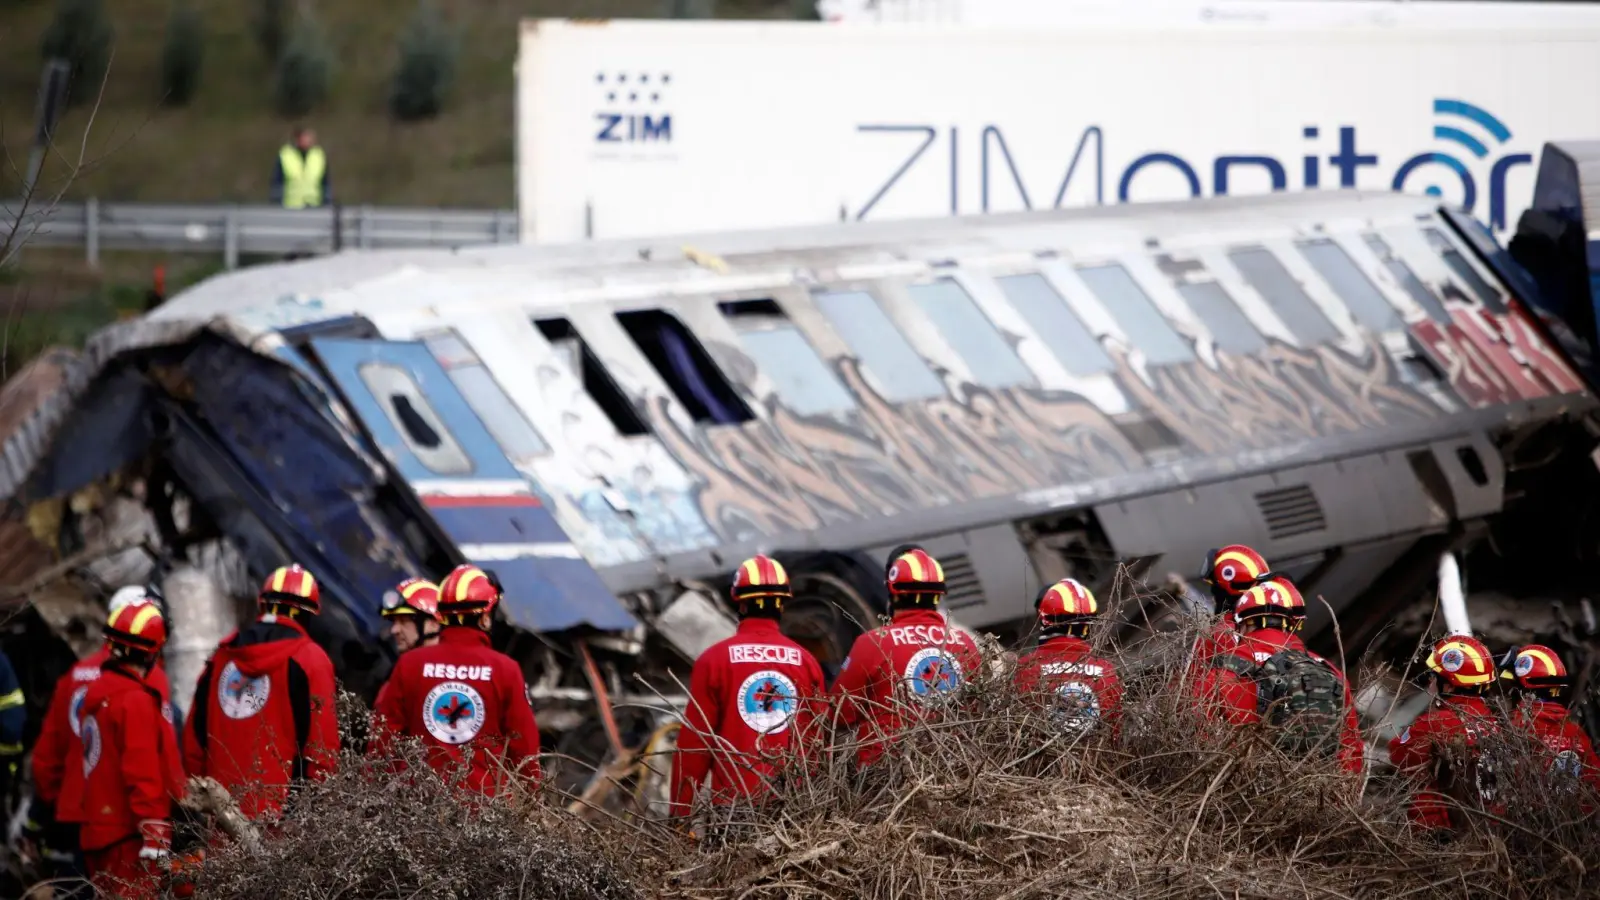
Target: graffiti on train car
[791,472]
[1279,395]
[1490,359]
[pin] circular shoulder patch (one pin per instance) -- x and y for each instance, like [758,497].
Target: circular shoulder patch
[91,744]
[241,697]
[1077,707]
[768,701]
[453,712]
[931,673]
[1524,665]
[75,709]
[1453,660]
[1567,763]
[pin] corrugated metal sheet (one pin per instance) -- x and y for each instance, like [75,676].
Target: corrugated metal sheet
[33,404]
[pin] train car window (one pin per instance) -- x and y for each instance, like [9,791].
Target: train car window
[511,429]
[1057,325]
[602,388]
[1137,314]
[683,363]
[1229,326]
[803,380]
[1463,270]
[1363,298]
[409,411]
[885,354]
[1293,305]
[1420,292]
[990,358]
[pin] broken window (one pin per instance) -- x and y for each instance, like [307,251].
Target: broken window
[602,388]
[988,355]
[804,381]
[686,367]
[511,429]
[1419,291]
[1133,309]
[420,427]
[894,366]
[1463,270]
[1057,325]
[1300,314]
[1352,285]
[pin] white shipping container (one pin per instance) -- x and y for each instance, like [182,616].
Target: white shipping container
[628,129]
[1268,13]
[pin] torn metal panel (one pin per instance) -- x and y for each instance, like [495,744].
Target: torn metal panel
[32,405]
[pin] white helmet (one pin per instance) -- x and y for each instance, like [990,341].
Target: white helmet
[133,593]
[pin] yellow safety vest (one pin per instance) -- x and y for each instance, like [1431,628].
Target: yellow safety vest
[302,176]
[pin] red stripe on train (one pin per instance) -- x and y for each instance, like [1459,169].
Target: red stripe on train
[451,500]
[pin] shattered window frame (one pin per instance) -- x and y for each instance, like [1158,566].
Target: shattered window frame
[1401,271]
[800,375]
[449,457]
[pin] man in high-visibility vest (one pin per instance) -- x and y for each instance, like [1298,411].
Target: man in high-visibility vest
[301,178]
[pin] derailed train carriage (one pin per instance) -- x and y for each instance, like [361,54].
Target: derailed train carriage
[1353,383]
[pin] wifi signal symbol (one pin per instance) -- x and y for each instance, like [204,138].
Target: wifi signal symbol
[1475,114]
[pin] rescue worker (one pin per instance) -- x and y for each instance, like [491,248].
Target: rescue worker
[300,179]
[1228,572]
[412,609]
[50,830]
[1441,748]
[461,693]
[13,719]
[1270,677]
[263,716]
[1542,684]
[1085,687]
[751,697]
[915,661]
[132,770]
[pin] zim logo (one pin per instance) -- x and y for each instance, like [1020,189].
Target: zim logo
[932,674]
[630,108]
[241,697]
[767,702]
[453,712]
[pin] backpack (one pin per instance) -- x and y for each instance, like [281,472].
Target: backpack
[1299,696]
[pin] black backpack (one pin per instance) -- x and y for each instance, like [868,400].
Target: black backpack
[1299,696]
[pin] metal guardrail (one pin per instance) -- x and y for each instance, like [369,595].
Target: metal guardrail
[234,230]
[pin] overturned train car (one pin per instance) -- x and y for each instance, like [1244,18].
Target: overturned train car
[1354,383]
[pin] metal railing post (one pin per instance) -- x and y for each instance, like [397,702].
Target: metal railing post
[338,227]
[91,232]
[364,227]
[230,237]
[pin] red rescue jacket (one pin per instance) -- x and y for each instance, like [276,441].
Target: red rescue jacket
[1419,751]
[752,698]
[916,657]
[263,715]
[57,778]
[1086,686]
[1222,638]
[1569,746]
[1228,697]
[130,763]
[456,694]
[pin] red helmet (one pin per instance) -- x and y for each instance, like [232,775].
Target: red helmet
[1537,667]
[468,590]
[1235,569]
[291,586]
[759,579]
[412,597]
[1462,661]
[1067,599]
[138,625]
[915,573]
[1273,597]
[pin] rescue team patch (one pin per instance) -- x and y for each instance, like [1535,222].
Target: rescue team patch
[75,709]
[1567,763]
[453,712]
[931,673]
[764,654]
[241,697]
[1077,707]
[1524,665]
[1453,660]
[91,744]
[768,701]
